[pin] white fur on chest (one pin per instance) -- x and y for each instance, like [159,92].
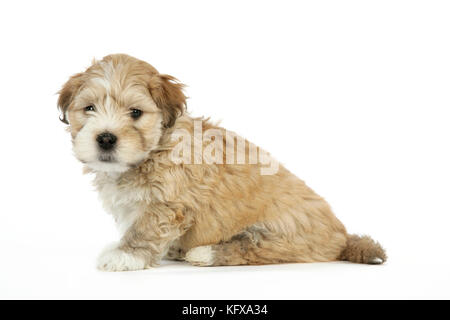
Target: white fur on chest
[124,203]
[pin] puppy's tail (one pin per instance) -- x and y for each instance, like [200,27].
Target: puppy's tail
[363,249]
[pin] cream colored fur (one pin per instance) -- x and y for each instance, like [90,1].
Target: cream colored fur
[207,213]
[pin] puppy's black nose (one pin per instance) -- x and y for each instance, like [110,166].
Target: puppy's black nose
[106,140]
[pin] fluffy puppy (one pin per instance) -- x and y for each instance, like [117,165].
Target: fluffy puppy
[218,204]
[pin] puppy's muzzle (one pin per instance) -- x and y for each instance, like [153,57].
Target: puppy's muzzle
[106,141]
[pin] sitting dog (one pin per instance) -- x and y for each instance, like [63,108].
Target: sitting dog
[183,188]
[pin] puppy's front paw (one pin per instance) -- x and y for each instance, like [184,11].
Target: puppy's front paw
[115,259]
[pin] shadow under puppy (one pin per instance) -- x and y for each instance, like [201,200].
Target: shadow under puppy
[125,119]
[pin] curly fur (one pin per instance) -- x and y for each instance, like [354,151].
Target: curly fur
[363,250]
[208,214]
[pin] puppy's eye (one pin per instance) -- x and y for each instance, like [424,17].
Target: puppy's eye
[89,108]
[135,113]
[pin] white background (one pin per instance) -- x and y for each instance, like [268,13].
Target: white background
[352,96]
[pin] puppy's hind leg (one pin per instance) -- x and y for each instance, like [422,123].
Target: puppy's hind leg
[254,246]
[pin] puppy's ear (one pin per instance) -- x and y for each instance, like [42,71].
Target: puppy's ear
[167,92]
[67,93]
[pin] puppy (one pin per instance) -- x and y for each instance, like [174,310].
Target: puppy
[183,188]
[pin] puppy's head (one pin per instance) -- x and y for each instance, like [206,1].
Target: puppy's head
[117,111]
